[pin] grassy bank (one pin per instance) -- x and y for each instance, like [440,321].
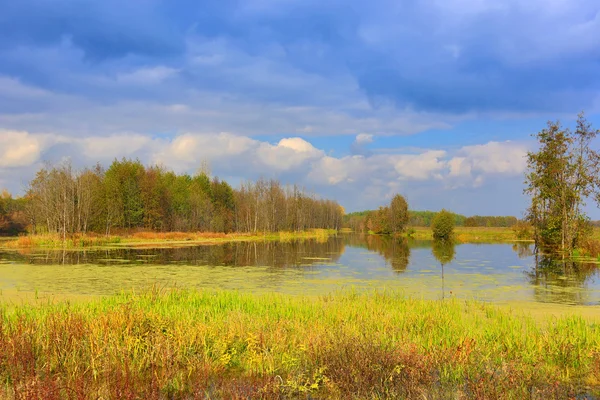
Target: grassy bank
[213,345]
[143,238]
[471,235]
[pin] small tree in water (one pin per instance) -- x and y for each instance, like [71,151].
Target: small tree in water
[442,225]
[560,176]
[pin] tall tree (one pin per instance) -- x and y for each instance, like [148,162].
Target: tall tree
[561,175]
[398,213]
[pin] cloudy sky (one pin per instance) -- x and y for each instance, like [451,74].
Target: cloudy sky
[355,100]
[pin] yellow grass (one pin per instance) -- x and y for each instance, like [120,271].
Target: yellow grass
[228,345]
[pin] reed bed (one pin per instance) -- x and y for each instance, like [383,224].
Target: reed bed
[51,240]
[54,240]
[183,344]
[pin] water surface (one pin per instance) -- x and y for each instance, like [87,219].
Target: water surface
[499,273]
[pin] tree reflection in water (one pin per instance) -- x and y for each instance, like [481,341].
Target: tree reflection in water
[394,250]
[523,249]
[557,280]
[274,254]
[444,251]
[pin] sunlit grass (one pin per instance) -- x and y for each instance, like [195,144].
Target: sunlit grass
[53,240]
[471,234]
[226,344]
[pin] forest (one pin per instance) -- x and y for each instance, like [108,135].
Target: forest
[375,220]
[130,196]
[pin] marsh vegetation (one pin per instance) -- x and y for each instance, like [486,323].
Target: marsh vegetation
[190,344]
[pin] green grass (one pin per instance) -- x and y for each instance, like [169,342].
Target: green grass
[471,235]
[187,344]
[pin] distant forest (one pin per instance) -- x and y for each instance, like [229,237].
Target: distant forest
[131,196]
[356,220]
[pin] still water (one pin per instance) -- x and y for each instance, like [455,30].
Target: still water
[491,272]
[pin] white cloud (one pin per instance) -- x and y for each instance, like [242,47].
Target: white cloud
[366,179]
[288,153]
[495,158]
[364,138]
[334,171]
[18,149]
[108,147]
[459,167]
[426,165]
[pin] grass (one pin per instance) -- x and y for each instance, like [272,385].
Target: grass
[139,238]
[471,235]
[186,344]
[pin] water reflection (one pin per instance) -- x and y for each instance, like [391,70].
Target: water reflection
[561,280]
[395,251]
[273,254]
[443,251]
[524,250]
[490,272]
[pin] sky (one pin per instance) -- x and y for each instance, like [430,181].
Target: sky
[356,101]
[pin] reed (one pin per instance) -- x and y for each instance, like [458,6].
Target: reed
[51,240]
[188,344]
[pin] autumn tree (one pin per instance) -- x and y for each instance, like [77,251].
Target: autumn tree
[442,225]
[129,195]
[398,214]
[561,175]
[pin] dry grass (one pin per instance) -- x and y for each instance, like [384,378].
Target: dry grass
[213,345]
[166,236]
[140,237]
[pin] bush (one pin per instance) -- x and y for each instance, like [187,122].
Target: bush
[442,225]
[523,230]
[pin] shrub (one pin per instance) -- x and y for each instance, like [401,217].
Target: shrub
[442,225]
[523,230]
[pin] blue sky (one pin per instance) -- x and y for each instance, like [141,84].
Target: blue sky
[353,100]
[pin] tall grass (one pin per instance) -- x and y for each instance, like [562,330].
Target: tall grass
[52,240]
[471,234]
[186,344]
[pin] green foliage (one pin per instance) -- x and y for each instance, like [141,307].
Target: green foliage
[561,175]
[442,225]
[385,220]
[523,230]
[444,250]
[356,220]
[398,214]
[489,221]
[133,197]
[12,218]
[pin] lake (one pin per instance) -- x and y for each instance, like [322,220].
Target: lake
[498,273]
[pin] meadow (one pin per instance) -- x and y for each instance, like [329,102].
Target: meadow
[225,344]
[471,234]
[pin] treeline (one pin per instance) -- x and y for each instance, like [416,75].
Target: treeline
[129,195]
[358,221]
[12,217]
[386,220]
